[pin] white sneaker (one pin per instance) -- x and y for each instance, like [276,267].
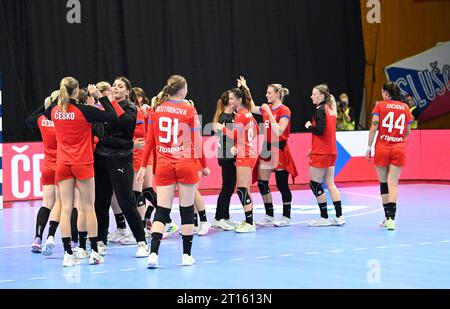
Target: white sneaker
[70,260]
[128,240]
[284,221]
[74,246]
[203,228]
[187,260]
[102,248]
[152,261]
[171,228]
[148,233]
[223,224]
[266,221]
[49,245]
[320,222]
[245,227]
[142,250]
[232,222]
[82,254]
[119,235]
[96,258]
[338,221]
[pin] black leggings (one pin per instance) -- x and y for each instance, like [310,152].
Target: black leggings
[116,174]
[228,185]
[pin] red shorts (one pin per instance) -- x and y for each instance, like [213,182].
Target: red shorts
[277,160]
[387,156]
[322,161]
[48,175]
[246,162]
[80,172]
[170,173]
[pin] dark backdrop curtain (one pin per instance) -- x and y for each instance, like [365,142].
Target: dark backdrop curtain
[211,42]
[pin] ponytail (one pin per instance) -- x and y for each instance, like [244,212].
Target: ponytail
[67,88]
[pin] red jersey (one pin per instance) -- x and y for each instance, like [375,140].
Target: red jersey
[48,133]
[279,113]
[245,130]
[174,133]
[394,119]
[139,132]
[74,129]
[323,131]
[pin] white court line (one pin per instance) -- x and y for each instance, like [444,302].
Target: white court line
[291,254]
[99,272]
[19,231]
[262,257]
[425,243]
[350,216]
[361,194]
[37,278]
[444,241]
[128,269]
[314,252]
[359,249]
[335,251]
[238,259]
[382,247]
[1,281]
[405,245]
[209,262]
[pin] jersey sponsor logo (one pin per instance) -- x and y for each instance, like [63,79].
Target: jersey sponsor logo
[395,106]
[172,110]
[64,116]
[393,139]
[162,149]
[47,123]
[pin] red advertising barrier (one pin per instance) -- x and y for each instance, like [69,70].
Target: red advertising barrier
[427,152]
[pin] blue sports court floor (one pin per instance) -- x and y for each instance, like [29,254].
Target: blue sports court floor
[357,255]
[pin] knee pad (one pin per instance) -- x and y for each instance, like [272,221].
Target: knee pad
[150,195]
[139,199]
[283,186]
[187,215]
[384,188]
[162,215]
[244,196]
[263,186]
[316,188]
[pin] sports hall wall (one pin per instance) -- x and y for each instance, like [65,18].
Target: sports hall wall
[296,43]
[427,152]
[422,25]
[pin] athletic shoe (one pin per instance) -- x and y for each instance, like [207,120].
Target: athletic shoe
[70,260]
[171,228]
[223,224]
[142,250]
[82,254]
[118,235]
[338,221]
[96,258]
[36,245]
[128,240]
[203,228]
[49,245]
[152,261]
[232,222]
[284,221]
[187,260]
[266,221]
[320,222]
[74,246]
[390,224]
[102,248]
[245,228]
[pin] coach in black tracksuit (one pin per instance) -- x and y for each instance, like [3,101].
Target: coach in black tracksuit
[113,164]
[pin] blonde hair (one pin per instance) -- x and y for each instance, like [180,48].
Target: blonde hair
[103,86]
[49,100]
[328,97]
[67,88]
[221,103]
[174,84]
[280,90]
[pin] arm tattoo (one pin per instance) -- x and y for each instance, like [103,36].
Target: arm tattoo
[375,123]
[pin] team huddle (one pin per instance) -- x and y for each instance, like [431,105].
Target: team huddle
[107,145]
